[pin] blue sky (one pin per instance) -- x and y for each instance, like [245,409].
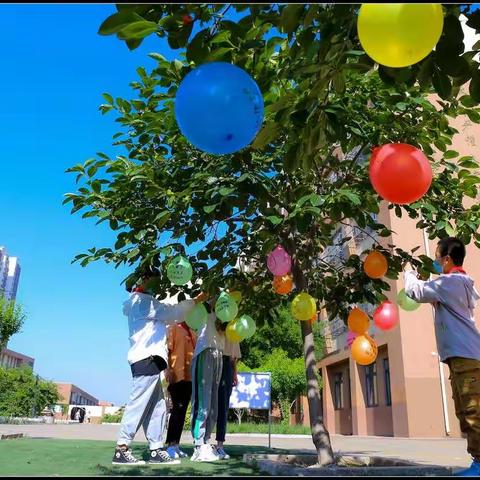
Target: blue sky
[55,68]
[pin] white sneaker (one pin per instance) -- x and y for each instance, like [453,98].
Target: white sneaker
[196,452]
[179,452]
[207,454]
[222,454]
[172,451]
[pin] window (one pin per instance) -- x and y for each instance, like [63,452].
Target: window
[338,391]
[388,392]
[371,385]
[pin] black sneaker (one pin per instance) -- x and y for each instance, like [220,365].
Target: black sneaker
[125,457]
[160,456]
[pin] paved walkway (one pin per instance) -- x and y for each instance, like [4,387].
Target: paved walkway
[444,452]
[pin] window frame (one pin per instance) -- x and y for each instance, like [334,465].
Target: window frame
[388,387]
[338,400]
[371,382]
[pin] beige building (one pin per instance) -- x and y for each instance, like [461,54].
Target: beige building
[406,392]
[12,359]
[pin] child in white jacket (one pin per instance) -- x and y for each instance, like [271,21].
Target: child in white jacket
[148,357]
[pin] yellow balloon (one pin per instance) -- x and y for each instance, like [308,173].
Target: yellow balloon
[231,333]
[236,295]
[303,306]
[399,34]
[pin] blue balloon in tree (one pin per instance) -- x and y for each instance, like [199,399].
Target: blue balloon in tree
[219,108]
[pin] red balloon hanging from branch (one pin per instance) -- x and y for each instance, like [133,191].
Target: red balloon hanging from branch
[386,316]
[400,173]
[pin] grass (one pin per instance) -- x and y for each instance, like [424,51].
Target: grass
[277,428]
[55,457]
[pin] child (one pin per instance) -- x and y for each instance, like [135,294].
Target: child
[453,296]
[147,319]
[181,345]
[206,373]
[231,354]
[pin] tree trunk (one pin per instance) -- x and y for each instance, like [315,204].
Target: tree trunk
[320,435]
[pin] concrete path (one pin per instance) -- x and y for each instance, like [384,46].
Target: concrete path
[443,452]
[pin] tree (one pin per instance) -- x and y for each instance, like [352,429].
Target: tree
[326,105]
[20,393]
[288,379]
[12,317]
[282,332]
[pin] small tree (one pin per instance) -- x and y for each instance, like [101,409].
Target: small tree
[12,317]
[288,379]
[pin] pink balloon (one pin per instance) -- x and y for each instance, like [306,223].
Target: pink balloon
[279,261]
[351,336]
[386,316]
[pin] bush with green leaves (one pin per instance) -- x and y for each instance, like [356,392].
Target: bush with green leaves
[21,394]
[12,318]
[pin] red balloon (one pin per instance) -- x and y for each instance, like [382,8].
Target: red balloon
[386,316]
[400,173]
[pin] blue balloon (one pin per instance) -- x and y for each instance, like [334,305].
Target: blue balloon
[219,108]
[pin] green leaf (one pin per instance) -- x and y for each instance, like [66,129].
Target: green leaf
[219,54]
[108,98]
[474,87]
[339,82]
[449,229]
[224,191]
[114,23]
[210,208]
[450,154]
[133,43]
[268,133]
[442,84]
[162,218]
[274,219]
[137,30]
[425,73]
[290,17]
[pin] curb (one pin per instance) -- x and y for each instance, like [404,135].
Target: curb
[278,465]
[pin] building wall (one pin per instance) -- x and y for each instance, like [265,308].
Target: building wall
[11,359]
[72,395]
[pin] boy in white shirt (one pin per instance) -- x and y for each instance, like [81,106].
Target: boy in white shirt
[148,357]
[206,375]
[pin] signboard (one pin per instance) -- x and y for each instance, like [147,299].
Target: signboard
[253,391]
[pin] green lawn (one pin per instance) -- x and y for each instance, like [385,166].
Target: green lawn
[277,428]
[53,457]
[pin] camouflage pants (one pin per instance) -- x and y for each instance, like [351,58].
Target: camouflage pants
[465,380]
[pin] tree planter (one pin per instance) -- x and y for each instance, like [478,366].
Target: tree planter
[347,465]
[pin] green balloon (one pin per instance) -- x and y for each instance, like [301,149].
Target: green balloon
[179,271]
[196,317]
[245,326]
[226,308]
[405,302]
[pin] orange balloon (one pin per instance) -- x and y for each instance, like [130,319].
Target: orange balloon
[375,265]
[358,321]
[364,350]
[283,284]
[314,318]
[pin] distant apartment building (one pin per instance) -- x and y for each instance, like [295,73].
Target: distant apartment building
[72,395]
[11,359]
[9,274]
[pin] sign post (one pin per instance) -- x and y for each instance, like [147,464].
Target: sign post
[253,391]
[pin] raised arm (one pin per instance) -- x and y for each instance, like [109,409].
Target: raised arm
[173,313]
[419,290]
